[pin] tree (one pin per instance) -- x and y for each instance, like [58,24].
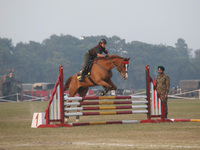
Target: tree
[6,55]
[38,62]
[182,48]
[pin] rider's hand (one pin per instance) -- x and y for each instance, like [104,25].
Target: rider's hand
[106,56]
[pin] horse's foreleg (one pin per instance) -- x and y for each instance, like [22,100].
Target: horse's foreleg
[104,91]
[105,85]
[114,87]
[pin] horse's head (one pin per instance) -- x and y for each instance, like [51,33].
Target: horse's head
[121,64]
[123,68]
[115,61]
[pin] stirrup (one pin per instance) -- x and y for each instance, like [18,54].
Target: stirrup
[81,75]
[80,78]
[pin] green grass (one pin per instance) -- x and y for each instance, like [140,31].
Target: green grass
[16,133]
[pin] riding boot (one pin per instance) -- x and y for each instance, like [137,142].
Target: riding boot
[82,75]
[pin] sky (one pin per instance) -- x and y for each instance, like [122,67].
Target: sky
[149,21]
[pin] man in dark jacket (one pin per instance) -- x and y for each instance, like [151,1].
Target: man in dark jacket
[91,54]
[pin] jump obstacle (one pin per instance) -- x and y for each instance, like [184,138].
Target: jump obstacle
[60,106]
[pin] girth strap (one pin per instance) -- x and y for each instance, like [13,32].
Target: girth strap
[91,80]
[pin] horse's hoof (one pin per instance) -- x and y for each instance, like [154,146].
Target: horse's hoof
[77,121]
[102,93]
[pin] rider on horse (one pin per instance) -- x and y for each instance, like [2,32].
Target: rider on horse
[91,54]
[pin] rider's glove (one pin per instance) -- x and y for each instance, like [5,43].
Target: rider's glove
[106,56]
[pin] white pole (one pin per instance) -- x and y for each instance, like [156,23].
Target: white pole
[152,99]
[51,114]
[55,106]
[159,106]
[17,97]
[156,99]
[58,102]
[199,93]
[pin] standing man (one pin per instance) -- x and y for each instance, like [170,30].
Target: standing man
[163,85]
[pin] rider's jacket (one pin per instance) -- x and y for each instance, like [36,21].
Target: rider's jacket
[97,50]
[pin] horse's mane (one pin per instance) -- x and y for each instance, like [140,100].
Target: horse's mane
[115,56]
[111,57]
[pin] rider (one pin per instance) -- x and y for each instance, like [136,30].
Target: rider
[91,54]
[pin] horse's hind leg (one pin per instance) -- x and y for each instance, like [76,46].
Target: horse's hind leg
[72,93]
[82,92]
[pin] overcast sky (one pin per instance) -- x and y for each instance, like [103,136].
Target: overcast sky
[149,21]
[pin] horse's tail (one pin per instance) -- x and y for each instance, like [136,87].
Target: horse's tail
[67,83]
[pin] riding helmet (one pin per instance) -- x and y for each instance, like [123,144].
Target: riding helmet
[103,41]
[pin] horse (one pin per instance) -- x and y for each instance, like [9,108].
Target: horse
[101,75]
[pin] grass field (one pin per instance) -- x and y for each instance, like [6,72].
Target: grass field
[16,133]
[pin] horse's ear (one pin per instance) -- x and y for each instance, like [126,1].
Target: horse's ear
[126,59]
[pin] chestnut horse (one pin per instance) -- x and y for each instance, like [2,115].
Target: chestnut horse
[100,74]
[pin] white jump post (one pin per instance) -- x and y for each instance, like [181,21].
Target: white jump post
[55,107]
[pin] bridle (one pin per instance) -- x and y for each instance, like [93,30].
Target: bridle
[119,68]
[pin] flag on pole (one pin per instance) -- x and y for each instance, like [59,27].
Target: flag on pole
[155,71]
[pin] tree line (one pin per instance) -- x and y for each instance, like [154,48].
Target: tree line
[38,62]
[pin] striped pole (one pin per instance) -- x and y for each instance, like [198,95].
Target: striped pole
[104,103]
[103,97]
[102,123]
[185,120]
[106,113]
[106,108]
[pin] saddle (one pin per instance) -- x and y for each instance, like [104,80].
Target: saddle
[88,72]
[88,69]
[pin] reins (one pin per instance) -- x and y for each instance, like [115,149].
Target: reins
[103,67]
[115,66]
[118,66]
